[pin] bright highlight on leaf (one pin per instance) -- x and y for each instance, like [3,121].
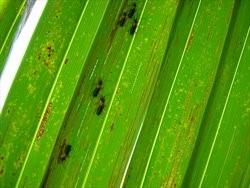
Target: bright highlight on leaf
[18,49]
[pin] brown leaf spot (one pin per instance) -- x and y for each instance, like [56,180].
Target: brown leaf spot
[1,171]
[190,40]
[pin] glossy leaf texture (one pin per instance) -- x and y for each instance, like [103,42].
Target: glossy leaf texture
[160,99]
[10,16]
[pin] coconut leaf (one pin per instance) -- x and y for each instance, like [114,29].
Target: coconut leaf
[160,99]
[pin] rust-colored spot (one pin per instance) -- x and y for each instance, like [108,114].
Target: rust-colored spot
[39,56]
[49,48]
[111,127]
[46,63]
[190,40]
[210,29]
[1,158]
[44,120]
[1,171]
[220,3]
[111,37]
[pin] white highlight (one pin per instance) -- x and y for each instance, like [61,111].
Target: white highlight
[94,69]
[81,167]
[130,157]
[136,78]
[111,102]
[18,51]
[78,132]
[223,112]
[169,95]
